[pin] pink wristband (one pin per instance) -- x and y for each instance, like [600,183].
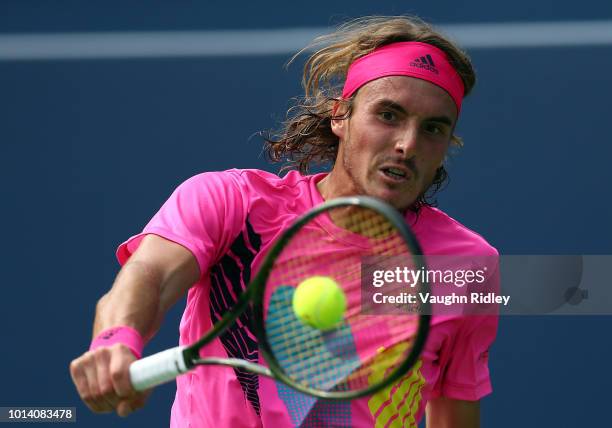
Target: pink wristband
[120,334]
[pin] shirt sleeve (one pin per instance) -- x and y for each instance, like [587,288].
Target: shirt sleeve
[465,357]
[204,214]
[465,374]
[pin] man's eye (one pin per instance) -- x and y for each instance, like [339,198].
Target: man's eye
[387,116]
[433,128]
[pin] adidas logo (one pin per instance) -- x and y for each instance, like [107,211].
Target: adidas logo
[109,334]
[425,62]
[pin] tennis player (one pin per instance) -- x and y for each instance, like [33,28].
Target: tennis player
[383,96]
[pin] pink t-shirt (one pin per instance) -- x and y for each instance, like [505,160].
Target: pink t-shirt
[229,220]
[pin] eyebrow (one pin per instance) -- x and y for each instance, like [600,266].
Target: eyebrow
[395,106]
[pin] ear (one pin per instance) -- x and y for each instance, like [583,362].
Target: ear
[339,126]
[444,159]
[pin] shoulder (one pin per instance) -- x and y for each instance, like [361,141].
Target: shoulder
[444,234]
[293,191]
[256,177]
[240,181]
[261,193]
[253,178]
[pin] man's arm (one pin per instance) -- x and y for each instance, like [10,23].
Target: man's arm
[445,412]
[152,280]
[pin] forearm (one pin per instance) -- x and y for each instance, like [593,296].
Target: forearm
[156,275]
[134,300]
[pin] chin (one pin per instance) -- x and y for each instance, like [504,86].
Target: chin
[400,200]
[392,199]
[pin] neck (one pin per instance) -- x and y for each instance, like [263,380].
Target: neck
[331,186]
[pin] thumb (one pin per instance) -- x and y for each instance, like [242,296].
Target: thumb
[124,408]
[132,403]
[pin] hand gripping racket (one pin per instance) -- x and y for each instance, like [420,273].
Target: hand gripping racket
[347,239]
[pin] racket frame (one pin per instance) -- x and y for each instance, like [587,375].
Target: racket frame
[254,294]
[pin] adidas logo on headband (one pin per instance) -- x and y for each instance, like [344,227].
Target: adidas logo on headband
[425,62]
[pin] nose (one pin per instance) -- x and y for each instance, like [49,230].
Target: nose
[406,142]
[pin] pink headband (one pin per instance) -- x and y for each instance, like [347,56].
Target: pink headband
[413,59]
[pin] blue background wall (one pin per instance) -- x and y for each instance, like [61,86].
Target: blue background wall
[89,149]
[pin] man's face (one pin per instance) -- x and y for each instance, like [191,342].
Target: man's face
[395,140]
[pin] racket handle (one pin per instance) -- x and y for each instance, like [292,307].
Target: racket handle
[157,368]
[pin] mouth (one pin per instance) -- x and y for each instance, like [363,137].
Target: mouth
[395,173]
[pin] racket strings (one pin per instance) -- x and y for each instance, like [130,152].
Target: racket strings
[328,354]
[302,350]
[345,358]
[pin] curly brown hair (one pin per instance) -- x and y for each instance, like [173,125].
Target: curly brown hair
[306,137]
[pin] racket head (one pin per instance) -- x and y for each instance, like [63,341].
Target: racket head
[367,351]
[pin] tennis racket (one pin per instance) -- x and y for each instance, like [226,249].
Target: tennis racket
[345,239]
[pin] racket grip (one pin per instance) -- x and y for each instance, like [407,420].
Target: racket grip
[157,368]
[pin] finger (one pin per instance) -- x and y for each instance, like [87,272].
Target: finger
[119,367]
[140,399]
[98,404]
[80,380]
[107,390]
[120,375]
[124,408]
[127,406]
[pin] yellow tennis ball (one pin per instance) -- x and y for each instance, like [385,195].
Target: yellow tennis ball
[319,302]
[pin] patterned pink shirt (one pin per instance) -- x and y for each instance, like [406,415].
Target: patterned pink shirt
[229,220]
